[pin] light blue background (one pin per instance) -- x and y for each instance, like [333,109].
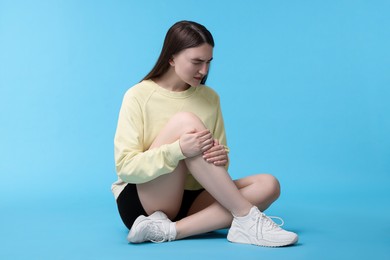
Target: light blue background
[305,95]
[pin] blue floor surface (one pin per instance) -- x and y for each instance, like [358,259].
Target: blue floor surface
[304,88]
[63,227]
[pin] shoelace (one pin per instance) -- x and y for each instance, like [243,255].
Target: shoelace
[267,220]
[155,234]
[278,218]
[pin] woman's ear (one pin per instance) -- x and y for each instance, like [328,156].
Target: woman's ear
[171,62]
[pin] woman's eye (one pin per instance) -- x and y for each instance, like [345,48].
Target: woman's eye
[196,62]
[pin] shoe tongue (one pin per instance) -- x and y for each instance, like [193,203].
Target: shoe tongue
[254,212]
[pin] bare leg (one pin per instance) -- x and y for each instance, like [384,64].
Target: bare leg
[225,204]
[165,193]
[207,215]
[218,183]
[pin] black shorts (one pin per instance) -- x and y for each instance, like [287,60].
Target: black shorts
[130,207]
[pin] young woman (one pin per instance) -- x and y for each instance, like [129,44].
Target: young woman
[171,155]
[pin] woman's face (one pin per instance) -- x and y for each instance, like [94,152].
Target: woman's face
[192,65]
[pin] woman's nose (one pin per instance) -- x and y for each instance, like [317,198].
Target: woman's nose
[203,70]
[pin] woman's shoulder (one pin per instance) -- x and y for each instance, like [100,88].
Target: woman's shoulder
[138,94]
[209,92]
[140,89]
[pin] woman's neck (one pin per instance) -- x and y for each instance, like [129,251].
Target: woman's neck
[171,82]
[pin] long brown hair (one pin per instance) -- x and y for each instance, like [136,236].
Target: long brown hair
[182,35]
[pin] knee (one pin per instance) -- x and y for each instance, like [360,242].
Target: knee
[271,185]
[274,186]
[189,121]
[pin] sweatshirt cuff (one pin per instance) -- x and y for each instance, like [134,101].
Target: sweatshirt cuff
[175,151]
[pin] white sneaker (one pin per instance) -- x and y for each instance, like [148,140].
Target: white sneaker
[258,229]
[156,228]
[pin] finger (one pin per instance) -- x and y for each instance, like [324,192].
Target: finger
[215,150]
[206,142]
[211,151]
[220,163]
[203,132]
[212,154]
[207,137]
[218,147]
[206,147]
[216,158]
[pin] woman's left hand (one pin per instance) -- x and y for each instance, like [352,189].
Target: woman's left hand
[216,155]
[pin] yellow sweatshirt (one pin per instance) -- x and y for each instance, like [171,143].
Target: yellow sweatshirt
[146,108]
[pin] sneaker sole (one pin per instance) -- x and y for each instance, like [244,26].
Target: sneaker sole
[281,244]
[266,243]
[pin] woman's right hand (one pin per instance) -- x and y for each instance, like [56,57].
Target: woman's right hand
[195,143]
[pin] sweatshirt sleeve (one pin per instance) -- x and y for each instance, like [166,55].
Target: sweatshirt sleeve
[134,163]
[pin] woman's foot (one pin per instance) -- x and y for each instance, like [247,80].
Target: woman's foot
[258,229]
[156,228]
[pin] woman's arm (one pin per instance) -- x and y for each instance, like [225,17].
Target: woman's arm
[134,163]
